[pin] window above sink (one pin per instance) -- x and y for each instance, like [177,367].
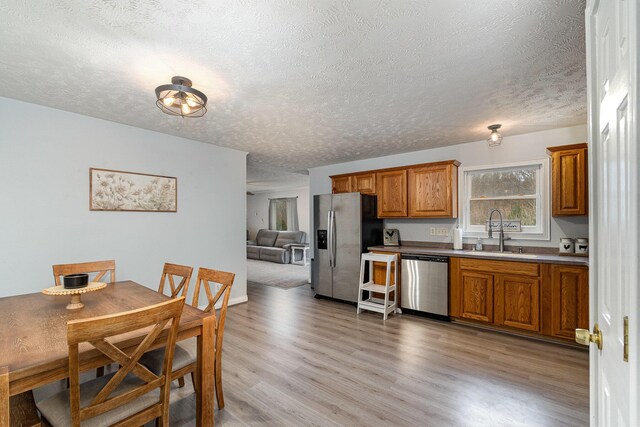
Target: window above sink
[519,190]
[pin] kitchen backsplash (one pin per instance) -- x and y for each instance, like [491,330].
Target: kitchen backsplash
[420,230]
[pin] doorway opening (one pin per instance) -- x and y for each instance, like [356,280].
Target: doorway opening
[278,229]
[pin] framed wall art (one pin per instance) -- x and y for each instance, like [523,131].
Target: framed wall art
[111,190]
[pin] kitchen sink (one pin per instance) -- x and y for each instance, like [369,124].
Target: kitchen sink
[505,254]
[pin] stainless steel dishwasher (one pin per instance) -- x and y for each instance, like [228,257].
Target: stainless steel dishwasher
[425,283]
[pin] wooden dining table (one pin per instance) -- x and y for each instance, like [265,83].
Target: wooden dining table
[33,338]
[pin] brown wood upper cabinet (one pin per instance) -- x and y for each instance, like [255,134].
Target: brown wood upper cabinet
[392,193]
[364,183]
[427,190]
[341,184]
[569,183]
[433,190]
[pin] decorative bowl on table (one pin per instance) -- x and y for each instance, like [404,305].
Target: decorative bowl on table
[75,281]
[74,293]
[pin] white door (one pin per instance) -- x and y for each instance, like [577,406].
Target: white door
[612,55]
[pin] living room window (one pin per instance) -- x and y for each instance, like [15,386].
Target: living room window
[280,207]
[283,214]
[518,190]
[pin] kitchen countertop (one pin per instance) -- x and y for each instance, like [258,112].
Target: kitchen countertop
[526,257]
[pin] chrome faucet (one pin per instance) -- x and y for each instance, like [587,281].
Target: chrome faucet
[502,238]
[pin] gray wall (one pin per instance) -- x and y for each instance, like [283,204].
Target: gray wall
[45,156]
[530,146]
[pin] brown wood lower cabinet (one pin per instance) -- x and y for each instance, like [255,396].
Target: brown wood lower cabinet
[566,297]
[517,302]
[547,299]
[476,291]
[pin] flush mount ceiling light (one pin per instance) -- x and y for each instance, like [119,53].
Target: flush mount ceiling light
[495,138]
[180,99]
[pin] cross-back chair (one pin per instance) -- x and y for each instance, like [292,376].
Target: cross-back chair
[185,357]
[99,268]
[4,396]
[172,271]
[133,395]
[18,410]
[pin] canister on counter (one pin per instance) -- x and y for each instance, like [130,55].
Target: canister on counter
[566,245]
[582,245]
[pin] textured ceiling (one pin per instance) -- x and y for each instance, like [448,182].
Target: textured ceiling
[303,83]
[261,179]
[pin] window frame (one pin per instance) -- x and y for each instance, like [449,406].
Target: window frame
[542,231]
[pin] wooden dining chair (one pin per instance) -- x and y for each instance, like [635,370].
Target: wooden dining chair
[172,271]
[4,396]
[132,395]
[18,410]
[185,357]
[99,268]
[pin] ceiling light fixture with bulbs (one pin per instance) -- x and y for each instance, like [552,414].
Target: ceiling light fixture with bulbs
[495,138]
[180,99]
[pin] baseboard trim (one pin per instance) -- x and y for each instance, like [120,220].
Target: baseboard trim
[238,300]
[232,301]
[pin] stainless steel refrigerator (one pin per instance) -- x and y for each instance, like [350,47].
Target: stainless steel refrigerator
[344,226]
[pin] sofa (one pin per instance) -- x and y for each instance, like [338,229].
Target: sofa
[273,245]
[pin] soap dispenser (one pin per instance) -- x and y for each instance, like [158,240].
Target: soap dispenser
[479,245]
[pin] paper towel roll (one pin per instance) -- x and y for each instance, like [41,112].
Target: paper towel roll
[457,238]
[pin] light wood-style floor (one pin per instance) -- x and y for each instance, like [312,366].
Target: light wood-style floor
[290,359]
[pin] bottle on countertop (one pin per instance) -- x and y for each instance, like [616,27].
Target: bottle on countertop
[479,245]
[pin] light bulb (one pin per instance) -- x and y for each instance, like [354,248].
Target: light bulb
[192,102]
[169,100]
[494,138]
[185,109]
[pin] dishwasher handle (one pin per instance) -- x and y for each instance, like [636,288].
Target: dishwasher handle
[428,258]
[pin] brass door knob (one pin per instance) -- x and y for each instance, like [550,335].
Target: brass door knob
[585,338]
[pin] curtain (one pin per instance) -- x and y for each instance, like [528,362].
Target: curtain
[292,214]
[283,214]
[272,213]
